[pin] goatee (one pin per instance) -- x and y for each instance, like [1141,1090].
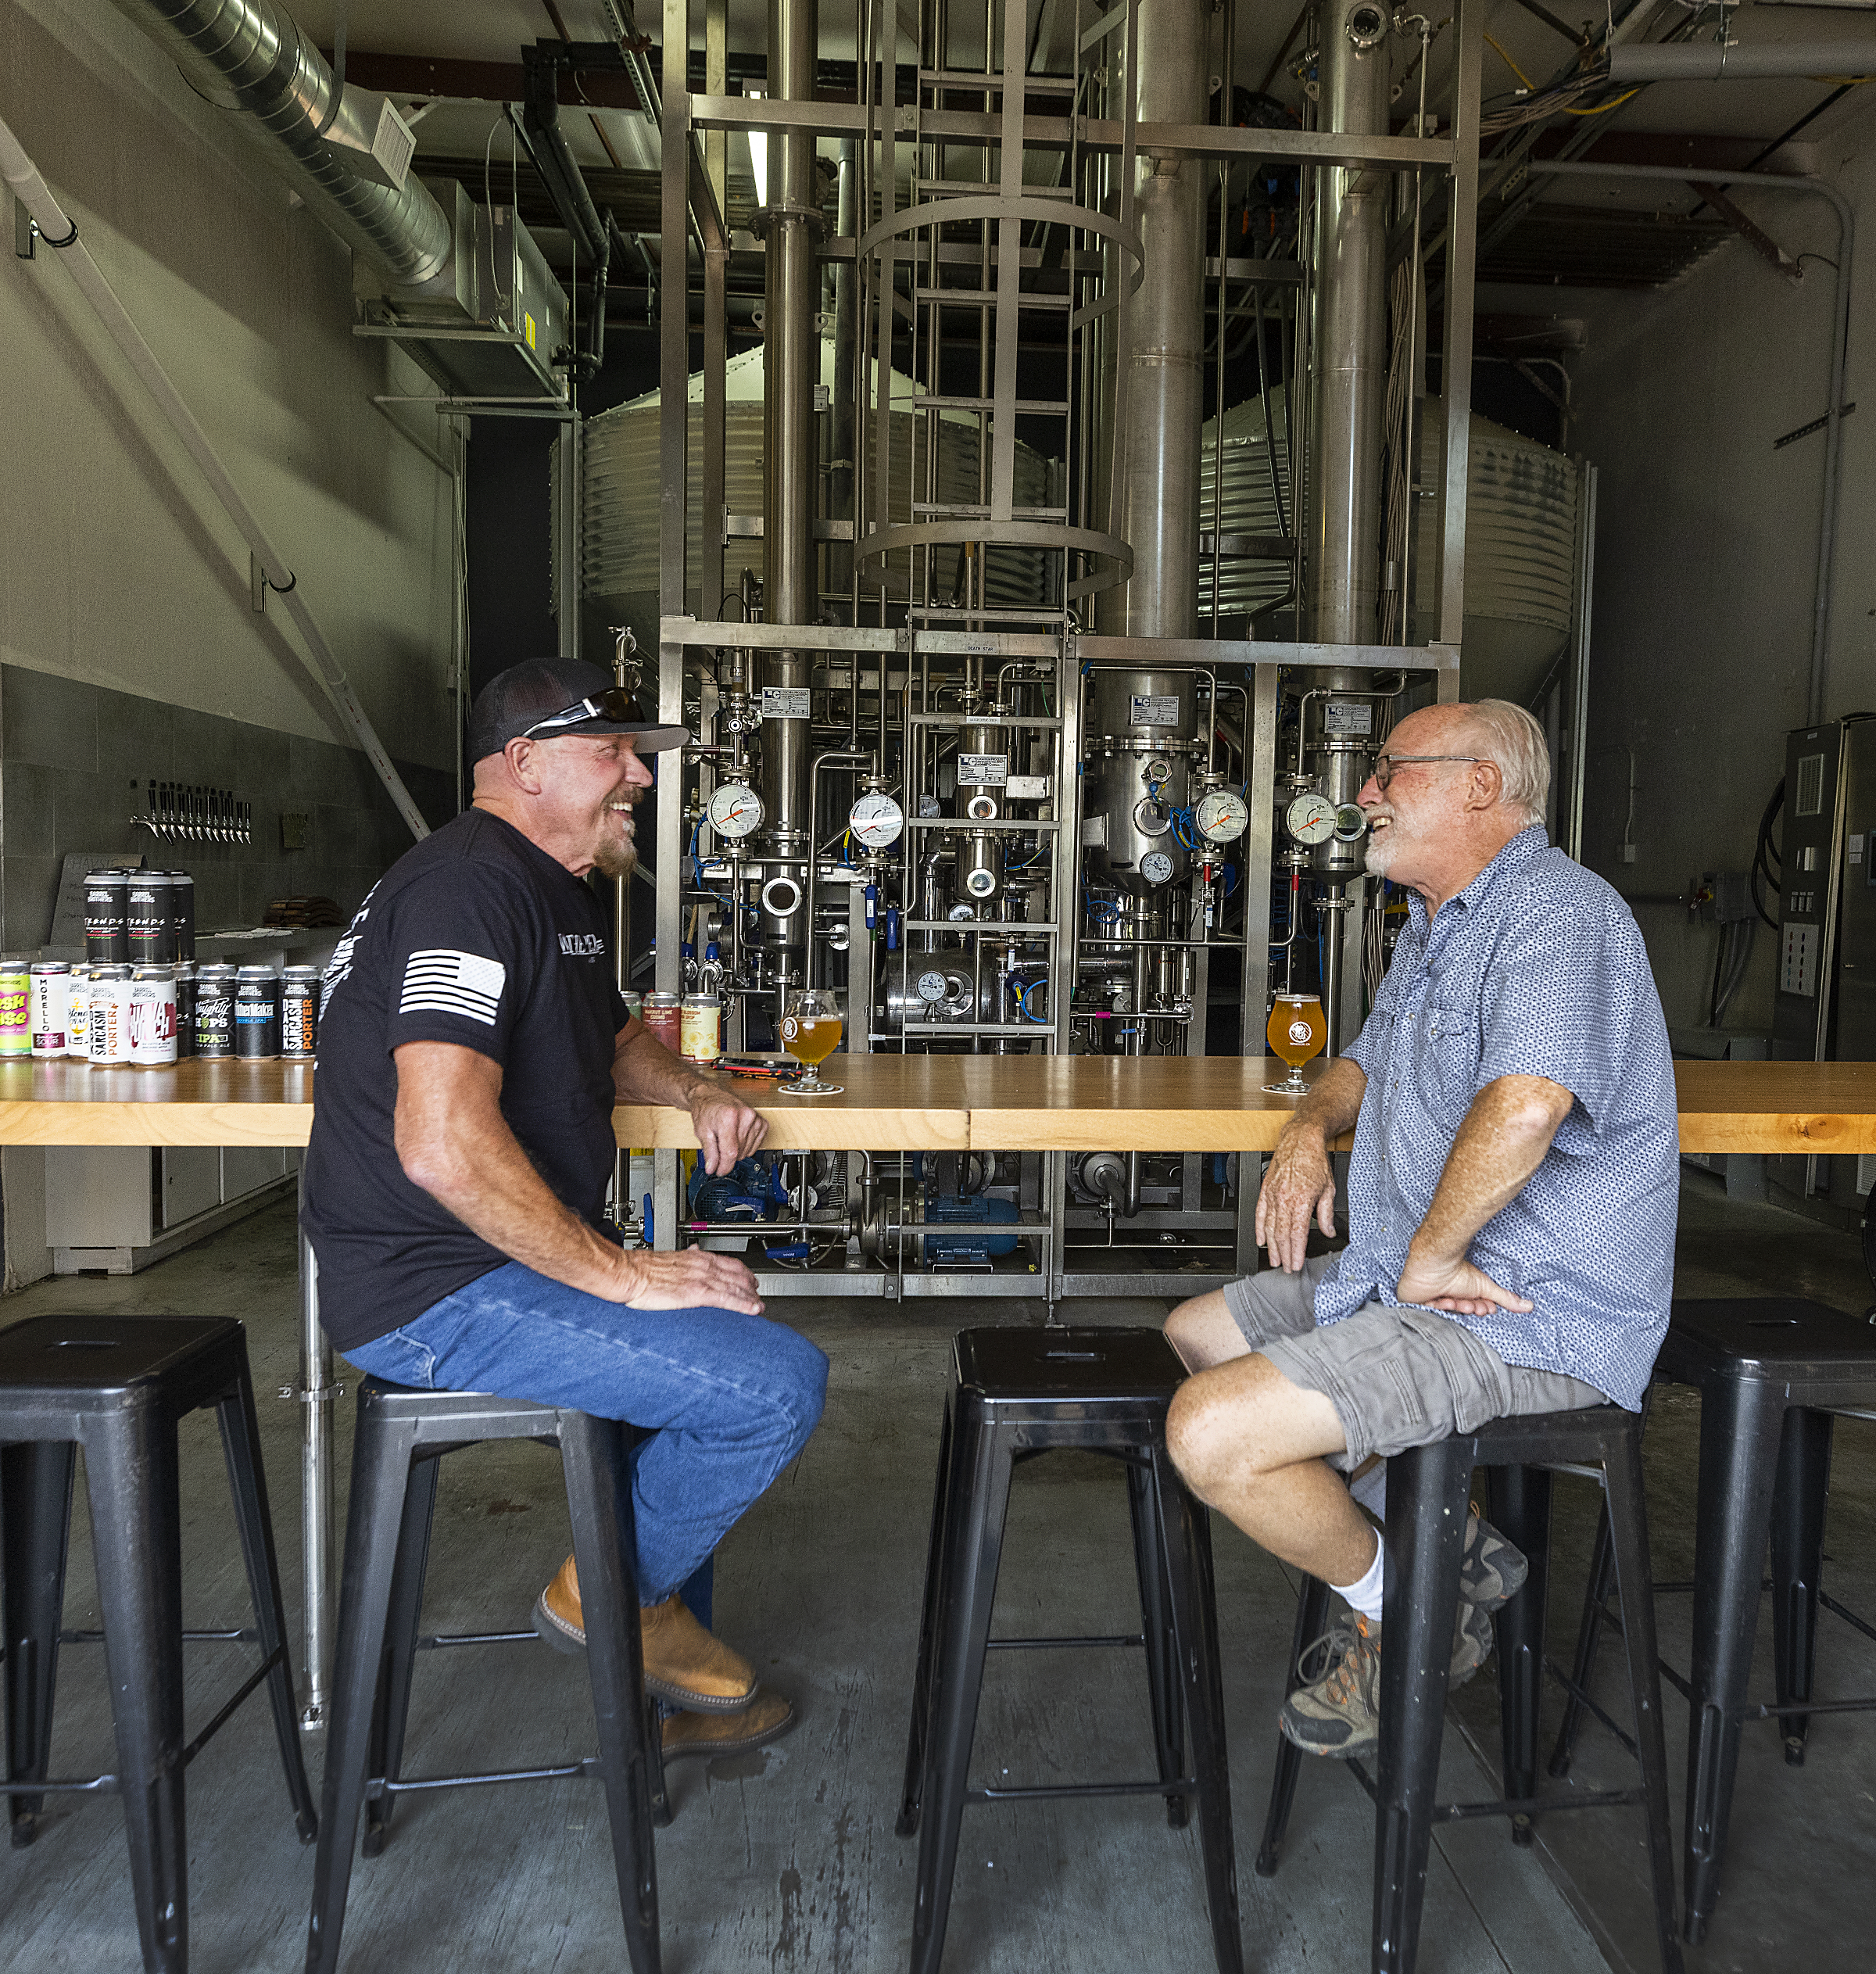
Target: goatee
[621,862]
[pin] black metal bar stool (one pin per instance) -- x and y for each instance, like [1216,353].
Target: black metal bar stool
[1427,1498]
[1770,1372]
[1015,1394]
[400,1436]
[116,1386]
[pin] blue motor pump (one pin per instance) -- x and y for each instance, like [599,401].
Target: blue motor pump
[976,1211]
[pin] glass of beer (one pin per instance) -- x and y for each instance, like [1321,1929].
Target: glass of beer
[1297,1032]
[810,1032]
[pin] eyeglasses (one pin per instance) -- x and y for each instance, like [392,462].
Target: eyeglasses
[1385,764]
[614,704]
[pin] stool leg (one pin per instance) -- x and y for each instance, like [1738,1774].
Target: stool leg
[977,1503]
[1798,1506]
[912,1794]
[1311,1620]
[248,1485]
[1519,1498]
[1741,1421]
[35,1524]
[1589,1635]
[596,1454]
[1187,1534]
[1163,1682]
[131,1476]
[381,1472]
[392,1709]
[1628,1526]
[1425,1540]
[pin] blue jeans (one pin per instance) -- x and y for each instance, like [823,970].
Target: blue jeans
[730,1399]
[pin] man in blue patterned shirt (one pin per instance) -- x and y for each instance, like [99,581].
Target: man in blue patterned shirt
[1511,1198]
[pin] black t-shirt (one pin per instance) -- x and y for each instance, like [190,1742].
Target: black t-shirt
[477,937]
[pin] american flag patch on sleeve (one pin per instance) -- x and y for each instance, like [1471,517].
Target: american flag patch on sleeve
[440,980]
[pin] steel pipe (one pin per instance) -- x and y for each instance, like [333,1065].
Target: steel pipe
[1707,61]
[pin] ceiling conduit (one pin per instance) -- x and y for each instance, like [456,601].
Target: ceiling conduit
[248,56]
[1731,62]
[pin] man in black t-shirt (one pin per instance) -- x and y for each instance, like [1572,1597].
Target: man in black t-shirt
[472,1044]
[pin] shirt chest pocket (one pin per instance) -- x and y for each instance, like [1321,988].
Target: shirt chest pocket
[1450,1048]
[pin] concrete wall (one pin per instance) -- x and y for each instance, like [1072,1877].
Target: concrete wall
[1707,553]
[129,649]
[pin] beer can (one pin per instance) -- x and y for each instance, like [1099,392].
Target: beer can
[662,1015]
[700,1028]
[78,1014]
[15,1005]
[107,1039]
[107,938]
[149,931]
[299,1013]
[185,1010]
[51,981]
[257,1013]
[182,915]
[215,1013]
[150,1026]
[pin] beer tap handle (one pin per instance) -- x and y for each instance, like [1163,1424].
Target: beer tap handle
[247,822]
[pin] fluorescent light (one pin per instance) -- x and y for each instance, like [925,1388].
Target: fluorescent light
[758,154]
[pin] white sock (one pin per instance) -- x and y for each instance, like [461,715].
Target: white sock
[1370,1490]
[1364,1593]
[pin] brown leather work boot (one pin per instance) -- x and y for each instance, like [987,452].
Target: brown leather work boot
[766,1717]
[684,1663]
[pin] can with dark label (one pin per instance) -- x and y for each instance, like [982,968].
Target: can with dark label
[185,1010]
[182,914]
[150,1029]
[51,991]
[149,931]
[257,1013]
[78,1014]
[663,1015]
[107,1039]
[16,1006]
[107,939]
[299,1013]
[215,1012]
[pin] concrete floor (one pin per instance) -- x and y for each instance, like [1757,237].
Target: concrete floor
[786,1859]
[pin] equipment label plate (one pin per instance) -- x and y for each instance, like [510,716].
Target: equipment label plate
[785,702]
[1028,788]
[1154,709]
[1798,948]
[1339,719]
[983,770]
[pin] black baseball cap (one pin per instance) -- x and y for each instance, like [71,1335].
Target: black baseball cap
[550,697]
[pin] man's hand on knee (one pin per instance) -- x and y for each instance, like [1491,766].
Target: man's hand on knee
[691,1278]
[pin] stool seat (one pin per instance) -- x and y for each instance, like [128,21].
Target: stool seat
[116,1385]
[1017,1394]
[1781,1336]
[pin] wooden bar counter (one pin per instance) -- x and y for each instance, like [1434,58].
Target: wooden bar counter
[943,1103]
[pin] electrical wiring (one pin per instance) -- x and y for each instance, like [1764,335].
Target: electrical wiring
[1499,48]
[1603,109]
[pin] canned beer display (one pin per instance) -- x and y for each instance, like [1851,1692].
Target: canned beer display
[107,938]
[78,1014]
[257,1013]
[700,1028]
[215,1013]
[662,1015]
[150,932]
[299,1013]
[182,913]
[16,1006]
[51,986]
[107,1041]
[150,1026]
[185,1010]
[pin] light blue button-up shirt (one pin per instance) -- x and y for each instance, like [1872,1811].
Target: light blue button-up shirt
[1536,969]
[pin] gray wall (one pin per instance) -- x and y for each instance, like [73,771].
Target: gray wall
[1707,551]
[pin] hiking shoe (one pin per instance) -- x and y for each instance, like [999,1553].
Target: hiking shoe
[684,1663]
[1491,1573]
[1338,1711]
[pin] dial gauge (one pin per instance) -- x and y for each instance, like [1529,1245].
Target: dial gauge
[1311,819]
[876,821]
[1222,816]
[931,988]
[1156,867]
[735,810]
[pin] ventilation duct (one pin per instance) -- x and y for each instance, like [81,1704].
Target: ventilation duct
[1728,62]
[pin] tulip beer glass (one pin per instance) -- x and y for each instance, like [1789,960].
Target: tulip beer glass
[810,1032]
[1297,1032]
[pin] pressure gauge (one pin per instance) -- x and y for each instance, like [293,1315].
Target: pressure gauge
[735,810]
[1223,816]
[1156,867]
[876,821]
[1311,819]
[931,988]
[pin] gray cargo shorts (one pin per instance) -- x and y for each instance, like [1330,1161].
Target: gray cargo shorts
[1398,1377]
